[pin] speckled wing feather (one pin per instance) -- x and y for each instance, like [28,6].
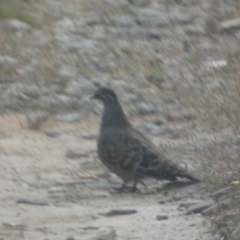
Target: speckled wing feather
[131,152]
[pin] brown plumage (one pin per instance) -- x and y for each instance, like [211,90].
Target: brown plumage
[126,151]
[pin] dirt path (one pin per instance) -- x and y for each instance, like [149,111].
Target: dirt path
[33,166]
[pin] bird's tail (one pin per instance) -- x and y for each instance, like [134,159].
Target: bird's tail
[181,172]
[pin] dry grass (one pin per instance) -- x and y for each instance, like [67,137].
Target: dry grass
[14,9]
[220,110]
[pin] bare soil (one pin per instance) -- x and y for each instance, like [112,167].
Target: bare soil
[33,166]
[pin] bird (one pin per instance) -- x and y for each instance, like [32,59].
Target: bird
[127,152]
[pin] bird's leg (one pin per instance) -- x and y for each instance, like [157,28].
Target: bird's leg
[134,187]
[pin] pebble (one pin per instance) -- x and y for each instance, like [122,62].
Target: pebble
[178,196]
[116,212]
[162,201]
[162,217]
[52,133]
[90,228]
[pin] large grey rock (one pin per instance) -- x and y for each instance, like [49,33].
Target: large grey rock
[16,25]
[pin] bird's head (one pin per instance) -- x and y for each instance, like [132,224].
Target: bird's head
[106,95]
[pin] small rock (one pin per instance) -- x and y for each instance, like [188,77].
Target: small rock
[70,238]
[199,207]
[153,35]
[177,196]
[116,212]
[32,202]
[235,234]
[70,117]
[90,228]
[162,201]
[52,133]
[15,25]
[162,217]
[74,154]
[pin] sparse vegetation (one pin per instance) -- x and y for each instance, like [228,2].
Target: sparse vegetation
[14,9]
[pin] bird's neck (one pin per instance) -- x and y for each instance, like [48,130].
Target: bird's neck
[114,116]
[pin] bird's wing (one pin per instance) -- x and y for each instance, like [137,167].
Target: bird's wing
[133,153]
